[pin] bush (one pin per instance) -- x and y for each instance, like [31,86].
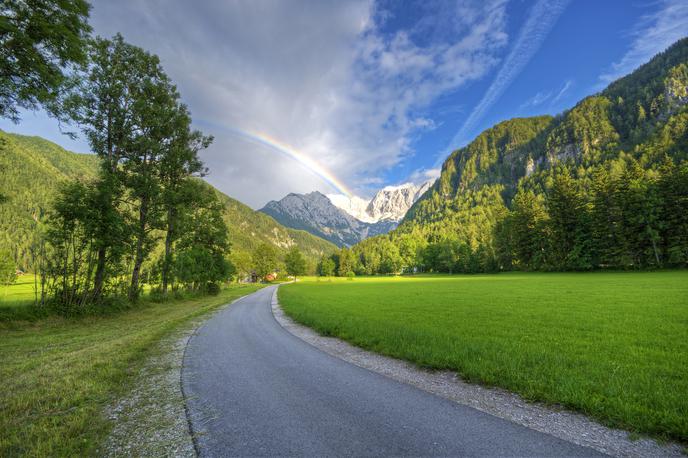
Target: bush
[350,275]
[213,289]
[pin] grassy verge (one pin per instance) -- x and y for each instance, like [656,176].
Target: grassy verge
[58,375]
[611,345]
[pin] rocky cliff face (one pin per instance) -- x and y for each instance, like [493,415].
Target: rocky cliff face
[315,213]
[389,204]
[392,202]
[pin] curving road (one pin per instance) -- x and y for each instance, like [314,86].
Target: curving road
[252,388]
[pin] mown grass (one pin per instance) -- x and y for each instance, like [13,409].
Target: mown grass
[611,345]
[58,375]
[16,300]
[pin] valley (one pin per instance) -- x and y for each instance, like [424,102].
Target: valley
[360,228]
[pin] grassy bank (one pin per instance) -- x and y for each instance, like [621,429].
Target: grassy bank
[611,345]
[58,375]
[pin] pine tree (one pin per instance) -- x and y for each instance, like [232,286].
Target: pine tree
[569,224]
[529,224]
[673,192]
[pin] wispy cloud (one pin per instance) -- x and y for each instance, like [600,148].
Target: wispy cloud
[564,89]
[653,34]
[536,100]
[542,18]
[549,98]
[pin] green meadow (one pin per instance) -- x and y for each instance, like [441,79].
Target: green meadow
[16,298]
[58,375]
[613,346]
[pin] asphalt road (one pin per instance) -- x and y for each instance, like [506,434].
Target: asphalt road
[252,388]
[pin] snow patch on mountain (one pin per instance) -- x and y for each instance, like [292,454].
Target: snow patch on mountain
[354,206]
[389,204]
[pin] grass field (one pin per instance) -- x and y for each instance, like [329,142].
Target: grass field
[611,345]
[15,298]
[58,375]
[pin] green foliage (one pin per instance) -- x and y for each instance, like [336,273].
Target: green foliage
[326,267]
[33,169]
[610,345]
[8,269]
[295,263]
[40,39]
[199,260]
[264,260]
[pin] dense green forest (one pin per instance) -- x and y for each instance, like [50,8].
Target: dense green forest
[602,185]
[33,169]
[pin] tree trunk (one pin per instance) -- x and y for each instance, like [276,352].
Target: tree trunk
[168,250]
[99,279]
[138,258]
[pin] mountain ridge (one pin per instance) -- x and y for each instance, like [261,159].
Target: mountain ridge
[315,213]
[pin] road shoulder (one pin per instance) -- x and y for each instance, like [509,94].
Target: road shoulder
[571,427]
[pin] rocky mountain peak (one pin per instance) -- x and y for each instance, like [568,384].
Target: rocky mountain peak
[389,204]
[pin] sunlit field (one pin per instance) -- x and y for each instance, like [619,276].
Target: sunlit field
[611,345]
[16,299]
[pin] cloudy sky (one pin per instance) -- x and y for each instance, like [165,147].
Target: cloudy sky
[353,95]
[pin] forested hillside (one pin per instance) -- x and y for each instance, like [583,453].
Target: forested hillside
[604,184]
[33,168]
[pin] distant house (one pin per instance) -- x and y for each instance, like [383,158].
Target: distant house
[271,277]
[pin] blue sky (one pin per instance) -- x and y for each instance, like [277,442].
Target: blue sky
[377,93]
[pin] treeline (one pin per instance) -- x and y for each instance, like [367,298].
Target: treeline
[145,218]
[618,217]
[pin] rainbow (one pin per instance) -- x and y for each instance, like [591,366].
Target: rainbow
[301,158]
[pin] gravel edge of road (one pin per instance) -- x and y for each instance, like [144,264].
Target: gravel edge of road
[572,427]
[152,419]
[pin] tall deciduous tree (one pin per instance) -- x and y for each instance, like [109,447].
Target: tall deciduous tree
[264,259]
[326,267]
[203,244]
[39,39]
[295,263]
[178,164]
[100,103]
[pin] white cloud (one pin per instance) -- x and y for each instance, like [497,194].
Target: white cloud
[564,89]
[323,77]
[536,100]
[421,176]
[542,18]
[552,97]
[653,34]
